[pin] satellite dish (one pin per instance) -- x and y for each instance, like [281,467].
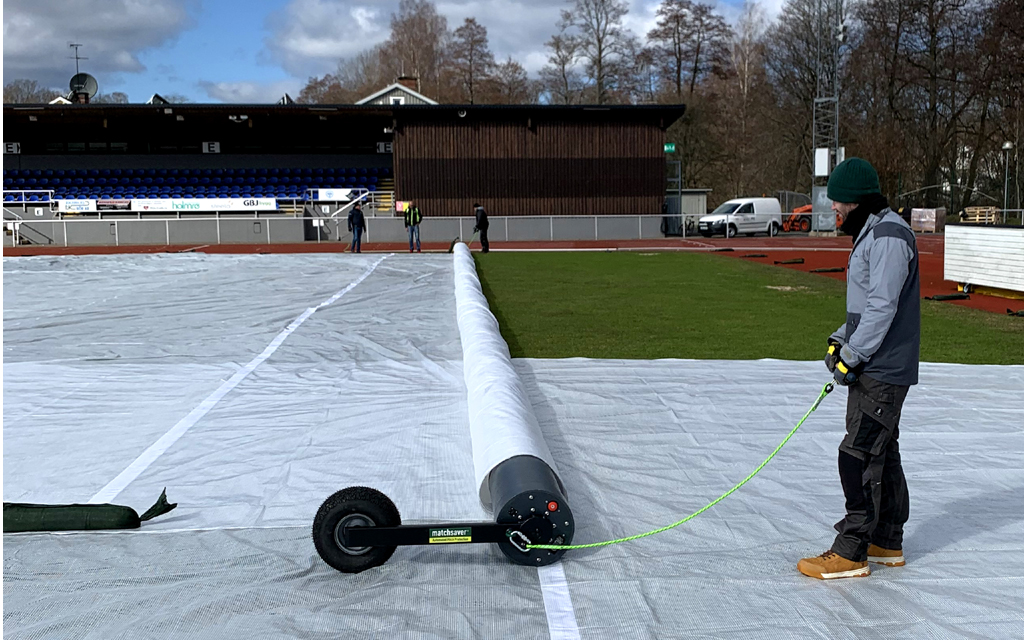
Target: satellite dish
[83,83]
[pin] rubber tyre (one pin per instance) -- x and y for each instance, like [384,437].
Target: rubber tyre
[730,231]
[362,501]
[805,225]
[773,230]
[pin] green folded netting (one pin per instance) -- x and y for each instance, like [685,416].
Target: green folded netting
[21,517]
[949,296]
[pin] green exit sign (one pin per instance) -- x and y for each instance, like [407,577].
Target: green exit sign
[670,147]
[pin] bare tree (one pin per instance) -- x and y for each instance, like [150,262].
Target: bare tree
[670,37]
[790,63]
[323,90]
[560,79]
[118,97]
[471,59]
[511,85]
[602,40]
[417,45]
[747,60]
[23,91]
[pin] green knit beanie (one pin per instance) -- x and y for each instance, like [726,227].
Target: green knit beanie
[853,181]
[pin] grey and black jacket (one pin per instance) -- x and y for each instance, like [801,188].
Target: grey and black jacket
[882,333]
[481,219]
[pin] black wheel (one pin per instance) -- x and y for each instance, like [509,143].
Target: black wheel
[805,225]
[353,507]
[773,230]
[730,231]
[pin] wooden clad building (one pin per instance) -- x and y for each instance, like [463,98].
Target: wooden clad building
[532,159]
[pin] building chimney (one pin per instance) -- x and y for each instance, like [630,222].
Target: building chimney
[409,82]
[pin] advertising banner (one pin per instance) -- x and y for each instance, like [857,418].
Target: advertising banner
[171,204]
[224,204]
[334,195]
[113,205]
[144,204]
[76,205]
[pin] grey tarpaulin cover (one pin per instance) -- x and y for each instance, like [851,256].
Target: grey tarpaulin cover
[106,355]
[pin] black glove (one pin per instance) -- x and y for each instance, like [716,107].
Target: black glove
[832,355]
[844,374]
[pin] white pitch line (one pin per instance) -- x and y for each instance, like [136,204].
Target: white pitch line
[561,615]
[155,450]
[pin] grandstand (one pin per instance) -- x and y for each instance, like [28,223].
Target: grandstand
[39,185]
[284,160]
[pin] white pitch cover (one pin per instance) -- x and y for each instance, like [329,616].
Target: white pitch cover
[501,419]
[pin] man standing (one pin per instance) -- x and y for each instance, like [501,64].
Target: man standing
[875,354]
[413,217]
[481,226]
[356,224]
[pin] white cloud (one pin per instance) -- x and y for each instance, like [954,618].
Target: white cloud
[113,32]
[250,92]
[309,37]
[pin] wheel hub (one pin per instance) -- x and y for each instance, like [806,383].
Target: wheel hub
[352,520]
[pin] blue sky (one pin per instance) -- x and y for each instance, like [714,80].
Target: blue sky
[247,51]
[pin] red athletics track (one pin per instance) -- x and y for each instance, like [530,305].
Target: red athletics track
[816,252]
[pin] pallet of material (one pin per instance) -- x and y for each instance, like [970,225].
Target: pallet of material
[979,215]
[928,220]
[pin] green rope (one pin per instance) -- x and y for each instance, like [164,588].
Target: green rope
[821,396]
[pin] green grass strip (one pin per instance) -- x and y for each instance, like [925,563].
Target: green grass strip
[633,305]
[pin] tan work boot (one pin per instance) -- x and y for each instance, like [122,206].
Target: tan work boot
[830,565]
[888,557]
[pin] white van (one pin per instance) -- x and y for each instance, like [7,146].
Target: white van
[743,215]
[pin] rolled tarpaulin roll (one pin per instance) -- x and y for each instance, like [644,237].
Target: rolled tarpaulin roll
[22,517]
[502,424]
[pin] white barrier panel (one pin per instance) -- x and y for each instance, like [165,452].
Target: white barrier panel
[501,419]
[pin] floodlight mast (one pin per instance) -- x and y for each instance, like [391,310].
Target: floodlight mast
[830,33]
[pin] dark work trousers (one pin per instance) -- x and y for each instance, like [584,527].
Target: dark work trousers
[357,239]
[483,240]
[877,502]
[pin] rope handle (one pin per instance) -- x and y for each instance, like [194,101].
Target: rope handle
[827,389]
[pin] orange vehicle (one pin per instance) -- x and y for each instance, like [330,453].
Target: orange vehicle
[798,220]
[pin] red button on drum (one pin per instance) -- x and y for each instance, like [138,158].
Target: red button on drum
[552,506]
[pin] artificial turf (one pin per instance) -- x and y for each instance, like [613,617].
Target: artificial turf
[695,305]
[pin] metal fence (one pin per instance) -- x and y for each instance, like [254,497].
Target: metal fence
[271,228]
[264,228]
